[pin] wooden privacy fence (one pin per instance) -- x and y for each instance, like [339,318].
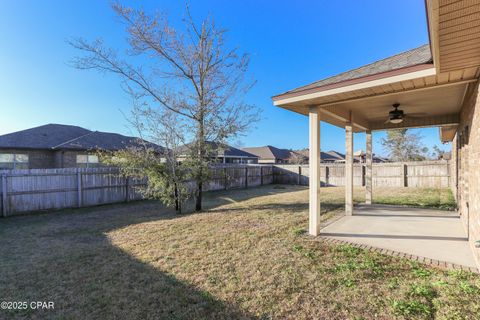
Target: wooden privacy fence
[49,189]
[46,189]
[423,174]
[224,177]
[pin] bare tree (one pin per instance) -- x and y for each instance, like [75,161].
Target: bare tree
[191,73]
[401,145]
[437,153]
[168,178]
[296,157]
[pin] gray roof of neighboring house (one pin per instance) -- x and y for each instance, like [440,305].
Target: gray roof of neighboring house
[42,137]
[224,150]
[269,152]
[328,155]
[61,137]
[336,155]
[420,55]
[105,141]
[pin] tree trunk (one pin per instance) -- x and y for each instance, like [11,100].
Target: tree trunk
[198,204]
[201,155]
[177,202]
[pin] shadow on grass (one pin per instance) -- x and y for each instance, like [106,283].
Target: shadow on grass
[66,257]
[218,199]
[294,208]
[110,285]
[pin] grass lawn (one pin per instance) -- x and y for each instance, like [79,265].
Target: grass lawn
[246,256]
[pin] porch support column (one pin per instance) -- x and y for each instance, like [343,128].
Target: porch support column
[314,164]
[349,167]
[368,167]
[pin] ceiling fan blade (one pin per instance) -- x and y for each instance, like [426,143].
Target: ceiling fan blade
[388,121]
[416,115]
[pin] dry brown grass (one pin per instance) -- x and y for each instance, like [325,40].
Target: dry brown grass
[246,256]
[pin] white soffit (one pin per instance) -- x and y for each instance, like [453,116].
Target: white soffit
[359,86]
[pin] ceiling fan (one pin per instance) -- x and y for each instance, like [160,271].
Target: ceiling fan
[397,116]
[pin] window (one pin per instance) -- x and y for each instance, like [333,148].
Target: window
[13,161]
[87,161]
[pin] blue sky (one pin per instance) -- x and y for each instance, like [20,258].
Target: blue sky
[291,43]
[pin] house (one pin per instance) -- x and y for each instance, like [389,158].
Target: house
[223,153]
[59,146]
[333,156]
[361,157]
[270,154]
[438,80]
[325,157]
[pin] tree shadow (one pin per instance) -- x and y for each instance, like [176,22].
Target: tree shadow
[67,258]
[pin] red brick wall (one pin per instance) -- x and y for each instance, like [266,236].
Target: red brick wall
[467,154]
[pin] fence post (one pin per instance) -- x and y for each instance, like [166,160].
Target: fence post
[261,176]
[299,182]
[225,178]
[4,195]
[79,188]
[404,175]
[327,175]
[246,177]
[363,175]
[127,187]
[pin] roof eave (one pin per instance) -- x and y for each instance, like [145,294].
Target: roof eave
[407,73]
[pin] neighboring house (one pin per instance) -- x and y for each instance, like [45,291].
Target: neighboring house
[360,156]
[59,146]
[224,153]
[337,157]
[334,156]
[270,154]
[326,157]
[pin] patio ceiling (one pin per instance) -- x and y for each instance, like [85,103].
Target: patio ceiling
[433,89]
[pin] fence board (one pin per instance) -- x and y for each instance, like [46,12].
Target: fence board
[47,189]
[425,174]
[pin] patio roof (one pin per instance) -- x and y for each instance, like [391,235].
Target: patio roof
[410,58]
[429,82]
[430,90]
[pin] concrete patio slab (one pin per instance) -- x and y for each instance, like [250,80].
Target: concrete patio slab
[432,234]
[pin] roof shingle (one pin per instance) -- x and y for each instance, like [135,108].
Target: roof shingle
[59,137]
[420,55]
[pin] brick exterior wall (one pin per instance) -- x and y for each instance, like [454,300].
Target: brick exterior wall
[70,158]
[37,159]
[46,159]
[466,156]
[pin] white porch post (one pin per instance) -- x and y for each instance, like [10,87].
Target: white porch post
[349,167]
[368,167]
[314,164]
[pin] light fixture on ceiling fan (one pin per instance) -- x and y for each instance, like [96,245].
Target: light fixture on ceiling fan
[395,116]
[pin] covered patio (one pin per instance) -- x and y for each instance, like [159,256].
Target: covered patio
[423,87]
[424,233]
